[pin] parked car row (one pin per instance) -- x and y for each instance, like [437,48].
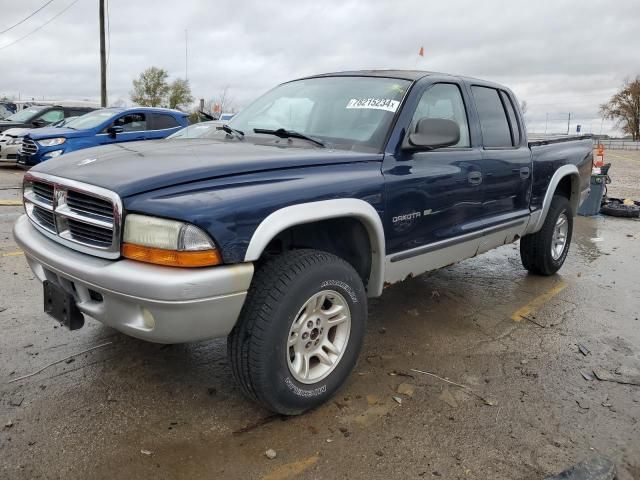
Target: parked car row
[42,132]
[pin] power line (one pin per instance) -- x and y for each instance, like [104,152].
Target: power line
[41,26]
[26,18]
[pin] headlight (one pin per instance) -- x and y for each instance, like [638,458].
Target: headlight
[14,141]
[52,142]
[167,242]
[53,154]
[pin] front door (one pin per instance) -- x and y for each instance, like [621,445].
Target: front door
[134,126]
[434,196]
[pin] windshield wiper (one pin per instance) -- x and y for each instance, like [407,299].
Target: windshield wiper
[231,131]
[282,133]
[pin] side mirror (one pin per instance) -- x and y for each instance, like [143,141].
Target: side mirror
[113,131]
[38,123]
[433,133]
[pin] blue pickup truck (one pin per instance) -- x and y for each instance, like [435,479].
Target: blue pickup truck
[100,127]
[274,232]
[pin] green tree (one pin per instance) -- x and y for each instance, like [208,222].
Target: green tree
[624,108]
[150,89]
[180,94]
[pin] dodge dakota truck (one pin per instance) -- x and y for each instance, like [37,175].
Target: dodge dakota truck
[275,231]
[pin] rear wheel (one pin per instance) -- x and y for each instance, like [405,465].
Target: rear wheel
[300,331]
[545,251]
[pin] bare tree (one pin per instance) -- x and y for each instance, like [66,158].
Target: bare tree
[151,87]
[624,108]
[221,103]
[180,94]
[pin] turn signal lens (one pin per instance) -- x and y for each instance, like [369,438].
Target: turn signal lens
[171,258]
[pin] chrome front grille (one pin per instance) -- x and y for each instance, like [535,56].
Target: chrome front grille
[80,216]
[28,147]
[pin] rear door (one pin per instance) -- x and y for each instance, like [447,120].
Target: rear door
[506,156]
[162,125]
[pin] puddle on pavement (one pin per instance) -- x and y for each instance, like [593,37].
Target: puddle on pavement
[587,240]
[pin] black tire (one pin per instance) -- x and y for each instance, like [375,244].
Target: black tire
[257,346]
[535,249]
[615,209]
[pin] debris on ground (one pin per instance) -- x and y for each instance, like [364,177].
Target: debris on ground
[398,400]
[587,376]
[9,424]
[447,397]
[146,452]
[270,454]
[596,468]
[582,405]
[625,379]
[583,350]
[405,389]
[372,400]
[491,403]
[59,361]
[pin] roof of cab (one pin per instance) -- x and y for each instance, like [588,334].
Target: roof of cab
[410,75]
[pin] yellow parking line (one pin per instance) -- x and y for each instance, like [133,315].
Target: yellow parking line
[10,203]
[537,302]
[291,470]
[12,254]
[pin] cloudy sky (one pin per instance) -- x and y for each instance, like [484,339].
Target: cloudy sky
[559,56]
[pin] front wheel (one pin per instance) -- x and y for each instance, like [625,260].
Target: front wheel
[545,251]
[300,331]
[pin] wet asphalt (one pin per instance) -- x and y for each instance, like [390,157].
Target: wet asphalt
[523,347]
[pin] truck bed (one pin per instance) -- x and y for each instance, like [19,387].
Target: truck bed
[542,139]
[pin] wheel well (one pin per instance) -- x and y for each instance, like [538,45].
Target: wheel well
[346,238]
[564,188]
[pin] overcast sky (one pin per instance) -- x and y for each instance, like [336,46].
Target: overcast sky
[559,56]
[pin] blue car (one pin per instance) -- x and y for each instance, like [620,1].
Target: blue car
[100,127]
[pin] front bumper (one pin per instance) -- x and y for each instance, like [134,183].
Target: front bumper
[9,153]
[154,303]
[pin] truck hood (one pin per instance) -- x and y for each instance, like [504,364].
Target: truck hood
[136,167]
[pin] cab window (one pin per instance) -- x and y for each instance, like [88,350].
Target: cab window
[444,100]
[52,116]
[132,122]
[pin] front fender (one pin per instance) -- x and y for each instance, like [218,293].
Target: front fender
[290,216]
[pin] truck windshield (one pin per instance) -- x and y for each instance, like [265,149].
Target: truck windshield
[92,119]
[25,115]
[351,113]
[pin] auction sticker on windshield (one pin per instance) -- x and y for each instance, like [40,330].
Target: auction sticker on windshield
[374,103]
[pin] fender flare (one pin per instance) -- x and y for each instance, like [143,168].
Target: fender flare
[538,217]
[302,213]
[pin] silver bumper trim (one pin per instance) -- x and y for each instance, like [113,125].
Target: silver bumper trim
[155,303]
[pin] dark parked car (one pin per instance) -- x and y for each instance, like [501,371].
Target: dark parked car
[38,116]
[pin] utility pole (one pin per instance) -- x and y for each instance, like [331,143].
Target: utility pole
[103,60]
[568,123]
[186,55]
[546,122]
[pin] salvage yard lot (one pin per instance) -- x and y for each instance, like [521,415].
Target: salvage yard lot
[525,347]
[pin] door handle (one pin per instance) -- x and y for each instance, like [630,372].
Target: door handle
[525,172]
[475,178]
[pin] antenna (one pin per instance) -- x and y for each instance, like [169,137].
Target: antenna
[186,55]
